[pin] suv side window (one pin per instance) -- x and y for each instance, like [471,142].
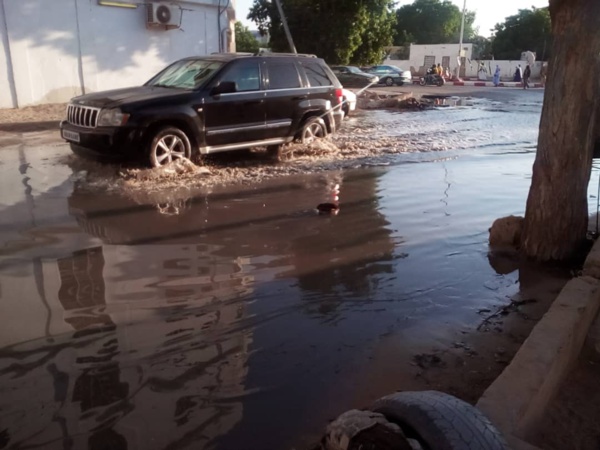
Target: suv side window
[283,75]
[246,75]
[316,74]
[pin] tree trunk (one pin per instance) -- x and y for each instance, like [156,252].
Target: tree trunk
[556,217]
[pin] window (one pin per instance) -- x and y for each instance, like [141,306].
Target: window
[185,74]
[283,75]
[317,75]
[246,76]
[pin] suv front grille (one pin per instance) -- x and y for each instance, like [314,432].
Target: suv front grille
[82,116]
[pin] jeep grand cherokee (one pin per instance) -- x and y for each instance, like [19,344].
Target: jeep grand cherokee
[208,104]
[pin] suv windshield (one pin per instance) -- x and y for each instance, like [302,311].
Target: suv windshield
[185,74]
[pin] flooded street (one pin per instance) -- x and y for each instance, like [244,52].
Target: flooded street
[221,310]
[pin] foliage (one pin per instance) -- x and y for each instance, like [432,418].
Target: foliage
[530,29]
[432,22]
[245,40]
[339,31]
[482,47]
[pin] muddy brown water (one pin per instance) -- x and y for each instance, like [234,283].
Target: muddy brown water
[206,314]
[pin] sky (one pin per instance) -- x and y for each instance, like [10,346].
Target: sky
[489,13]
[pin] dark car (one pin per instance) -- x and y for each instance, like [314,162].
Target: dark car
[351,76]
[390,75]
[208,104]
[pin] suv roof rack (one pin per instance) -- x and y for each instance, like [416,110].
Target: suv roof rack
[234,53]
[304,55]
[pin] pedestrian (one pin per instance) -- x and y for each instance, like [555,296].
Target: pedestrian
[526,76]
[482,73]
[440,70]
[543,73]
[517,75]
[497,76]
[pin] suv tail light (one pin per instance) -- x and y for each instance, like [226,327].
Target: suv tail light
[339,94]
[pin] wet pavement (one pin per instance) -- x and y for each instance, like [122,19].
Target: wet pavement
[224,311]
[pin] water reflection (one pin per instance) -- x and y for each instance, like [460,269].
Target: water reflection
[149,331]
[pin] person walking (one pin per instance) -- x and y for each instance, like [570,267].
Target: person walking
[482,73]
[497,76]
[518,74]
[526,76]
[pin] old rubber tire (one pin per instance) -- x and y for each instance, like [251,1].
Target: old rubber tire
[389,81]
[440,421]
[313,128]
[168,144]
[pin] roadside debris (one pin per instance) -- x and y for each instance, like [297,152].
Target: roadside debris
[364,430]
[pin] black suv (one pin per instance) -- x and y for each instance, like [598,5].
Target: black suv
[208,104]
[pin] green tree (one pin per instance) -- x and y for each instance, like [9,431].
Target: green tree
[432,22]
[530,29]
[245,40]
[482,47]
[339,31]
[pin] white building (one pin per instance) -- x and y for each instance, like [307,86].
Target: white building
[52,50]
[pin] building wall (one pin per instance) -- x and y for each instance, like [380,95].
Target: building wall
[418,53]
[63,48]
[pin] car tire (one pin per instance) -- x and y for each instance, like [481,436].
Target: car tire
[346,109]
[400,83]
[440,421]
[312,129]
[275,152]
[389,81]
[169,144]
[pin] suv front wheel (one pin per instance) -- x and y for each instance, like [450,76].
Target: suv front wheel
[313,128]
[169,144]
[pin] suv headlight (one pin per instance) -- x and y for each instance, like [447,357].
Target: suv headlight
[112,118]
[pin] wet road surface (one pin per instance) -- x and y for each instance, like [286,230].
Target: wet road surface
[235,316]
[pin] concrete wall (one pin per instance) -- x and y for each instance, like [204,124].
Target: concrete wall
[507,68]
[53,50]
[418,53]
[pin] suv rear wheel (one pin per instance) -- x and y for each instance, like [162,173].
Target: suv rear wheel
[314,128]
[169,144]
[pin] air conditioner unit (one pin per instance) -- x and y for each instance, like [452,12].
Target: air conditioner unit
[163,16]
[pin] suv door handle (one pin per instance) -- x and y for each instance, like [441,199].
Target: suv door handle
[300,97]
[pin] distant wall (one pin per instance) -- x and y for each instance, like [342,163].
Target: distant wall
[53,50]
[440,53]
[507,68]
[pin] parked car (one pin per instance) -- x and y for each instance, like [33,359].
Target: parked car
[351,76]
[208,104]
[390,75]
[349,104]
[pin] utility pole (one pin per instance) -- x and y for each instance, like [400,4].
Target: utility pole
[460,42]
[285,27]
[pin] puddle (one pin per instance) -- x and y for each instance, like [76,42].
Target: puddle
[184,308]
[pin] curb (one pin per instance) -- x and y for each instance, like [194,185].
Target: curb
[26,127]
[488,84]
[517,399]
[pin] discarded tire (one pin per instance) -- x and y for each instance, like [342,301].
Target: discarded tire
[440,421]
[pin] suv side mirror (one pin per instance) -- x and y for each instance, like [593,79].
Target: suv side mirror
[224,87]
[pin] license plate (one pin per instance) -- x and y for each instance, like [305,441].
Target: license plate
[70,135]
